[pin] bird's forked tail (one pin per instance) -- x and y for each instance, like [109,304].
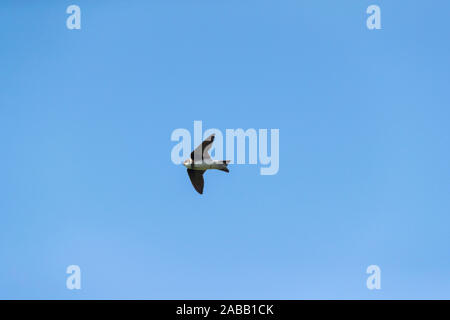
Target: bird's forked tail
[225,164]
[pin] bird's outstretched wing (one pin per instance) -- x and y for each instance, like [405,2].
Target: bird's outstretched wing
[201,152]
[197,181]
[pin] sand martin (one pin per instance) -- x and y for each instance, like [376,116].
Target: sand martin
[200,161]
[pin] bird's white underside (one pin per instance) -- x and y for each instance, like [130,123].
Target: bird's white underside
[202,165]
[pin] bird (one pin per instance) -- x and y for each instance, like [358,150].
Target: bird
[200,161]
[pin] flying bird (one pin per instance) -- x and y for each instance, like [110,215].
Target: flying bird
[200,161]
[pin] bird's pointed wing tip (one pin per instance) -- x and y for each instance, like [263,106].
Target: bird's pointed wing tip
[196,177]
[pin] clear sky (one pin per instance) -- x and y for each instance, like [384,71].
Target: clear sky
[86,176]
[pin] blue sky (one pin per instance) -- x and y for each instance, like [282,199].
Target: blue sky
[85,171]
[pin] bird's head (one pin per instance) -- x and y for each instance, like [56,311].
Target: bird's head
[187,163]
